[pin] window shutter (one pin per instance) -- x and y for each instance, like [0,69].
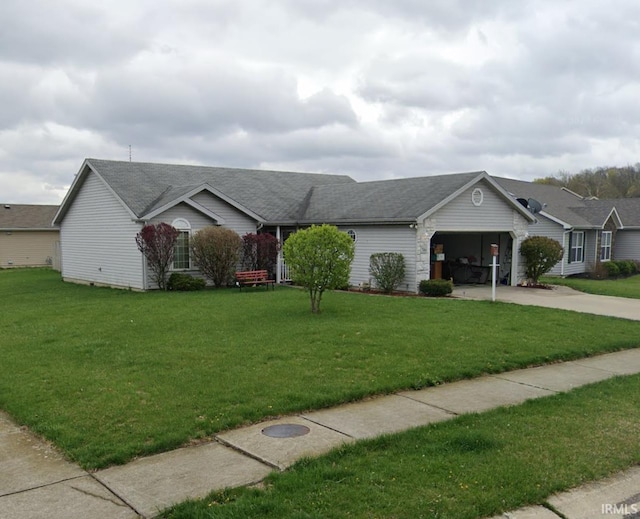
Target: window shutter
[570,244]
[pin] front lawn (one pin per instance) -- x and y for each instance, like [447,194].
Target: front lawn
[623,287]
[111,374]
[474,466]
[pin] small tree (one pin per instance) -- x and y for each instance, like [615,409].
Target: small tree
[540,254]
[388,269]
[259,252]
[320,259]
[216,251]
[157,243]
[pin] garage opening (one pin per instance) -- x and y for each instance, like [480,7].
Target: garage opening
[466,257]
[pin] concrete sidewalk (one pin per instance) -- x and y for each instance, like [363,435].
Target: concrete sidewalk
[561,297]
[36,482]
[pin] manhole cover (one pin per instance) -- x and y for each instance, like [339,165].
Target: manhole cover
[285,430]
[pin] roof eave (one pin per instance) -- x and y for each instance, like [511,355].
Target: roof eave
[359,221]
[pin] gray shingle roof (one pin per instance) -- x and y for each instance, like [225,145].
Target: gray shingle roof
[577,212]
[384,200]
[628,210]
[561,204]
[274,195]
[25,216]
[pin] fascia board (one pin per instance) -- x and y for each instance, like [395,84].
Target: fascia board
[85,169]
[195,191]
[564,224]
[205,211]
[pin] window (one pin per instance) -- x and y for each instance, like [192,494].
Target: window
[576,253]
[181,253]
[605,245]
[352,234]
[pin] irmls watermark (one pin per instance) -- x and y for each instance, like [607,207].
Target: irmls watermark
[623,509]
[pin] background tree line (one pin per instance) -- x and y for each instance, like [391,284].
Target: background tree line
[609,182]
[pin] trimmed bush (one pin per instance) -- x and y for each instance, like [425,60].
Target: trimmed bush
[540,253]
[320,259]
[216,251]
[388,270]
[184,282]
[612,268]
[627,268]
[436,287]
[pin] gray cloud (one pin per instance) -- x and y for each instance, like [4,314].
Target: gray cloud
[374,89]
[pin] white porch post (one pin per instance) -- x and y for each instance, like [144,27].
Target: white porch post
[279,257]
[424,232]
[520,232]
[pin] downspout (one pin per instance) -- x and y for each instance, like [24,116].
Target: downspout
[564,240]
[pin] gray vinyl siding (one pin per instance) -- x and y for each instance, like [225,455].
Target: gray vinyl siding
[627,245]
[196,219]
[549,228]
[234,219]
[494,214]
[383,238]
[591,254]
[97,239]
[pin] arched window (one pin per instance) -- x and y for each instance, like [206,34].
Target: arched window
[181,255]
[353,235]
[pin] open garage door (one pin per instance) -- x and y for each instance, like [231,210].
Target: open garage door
[466,257]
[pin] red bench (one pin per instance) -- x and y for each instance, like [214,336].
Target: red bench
[253,278]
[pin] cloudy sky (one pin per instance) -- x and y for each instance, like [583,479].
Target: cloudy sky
[371,88]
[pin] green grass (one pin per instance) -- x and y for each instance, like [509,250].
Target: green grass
[474,466]
[109,374]
[624,287]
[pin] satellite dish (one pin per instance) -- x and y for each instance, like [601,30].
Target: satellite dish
[523,202]
[534,206]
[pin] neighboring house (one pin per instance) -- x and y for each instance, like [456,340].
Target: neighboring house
[457,215]
[27,238]
[626,244]
[591,231]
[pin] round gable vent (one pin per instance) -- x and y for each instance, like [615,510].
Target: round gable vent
[477,196]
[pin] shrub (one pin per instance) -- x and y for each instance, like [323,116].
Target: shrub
[157,242]
[216,251]
[436,287]
[320,259]
[627,268]
[612,268]
[184,282]
[388,270]
[540,253]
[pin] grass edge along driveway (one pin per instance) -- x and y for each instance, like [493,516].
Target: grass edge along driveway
[108,375]
[623,287]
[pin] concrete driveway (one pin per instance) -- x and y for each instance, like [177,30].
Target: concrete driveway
[561,297]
